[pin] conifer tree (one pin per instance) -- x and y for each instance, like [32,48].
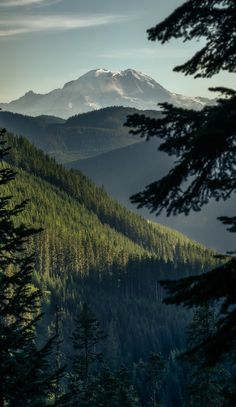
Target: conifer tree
[26,379]
[153,373]
[127,396]
[87,339]
[92,383]
[106,388]
[155,368]
[115,389]
[205,144]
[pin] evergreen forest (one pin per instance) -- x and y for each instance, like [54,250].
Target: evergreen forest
[98,306]
[91,250]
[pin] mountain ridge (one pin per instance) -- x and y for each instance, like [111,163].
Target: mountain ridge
[81,136]
[77,186]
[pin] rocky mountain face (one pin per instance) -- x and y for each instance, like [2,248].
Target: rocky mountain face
[101,88]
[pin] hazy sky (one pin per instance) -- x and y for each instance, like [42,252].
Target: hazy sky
[45,43]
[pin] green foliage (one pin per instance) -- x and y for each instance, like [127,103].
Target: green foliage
[154,375]
[26,378]
[216,285]
[87,338]
[93,250]
[163,242]
[91,380]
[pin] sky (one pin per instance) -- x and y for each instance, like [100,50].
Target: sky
[46,43]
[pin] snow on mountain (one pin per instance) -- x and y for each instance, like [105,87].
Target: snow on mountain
[101,88]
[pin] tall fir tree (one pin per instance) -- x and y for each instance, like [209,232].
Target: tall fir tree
[87,340]
[26,379]
[155,370]
[92,383]
[115,389]
[152,375]
[127,395]
[106,388]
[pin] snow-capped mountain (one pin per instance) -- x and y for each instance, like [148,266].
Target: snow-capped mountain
[97,89]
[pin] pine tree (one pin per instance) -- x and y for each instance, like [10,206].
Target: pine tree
[114,389]
[152,373]
[127,396]
[25,375]
[92,383]
[87,339]
[155,377]
[106,388]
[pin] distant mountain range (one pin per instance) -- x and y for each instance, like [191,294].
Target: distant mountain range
[101,88]
[82,136]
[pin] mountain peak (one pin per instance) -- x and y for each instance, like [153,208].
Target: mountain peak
[101,88]
[102,71]
[30,93]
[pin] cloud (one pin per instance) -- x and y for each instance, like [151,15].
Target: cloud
[12,26]
[19,3]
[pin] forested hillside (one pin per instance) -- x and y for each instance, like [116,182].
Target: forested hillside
[81,136]
[92,249]
[165,244]
[129,169]
[125,167]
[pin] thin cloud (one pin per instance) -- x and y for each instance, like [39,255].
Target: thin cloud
[33,24]
[20,3]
